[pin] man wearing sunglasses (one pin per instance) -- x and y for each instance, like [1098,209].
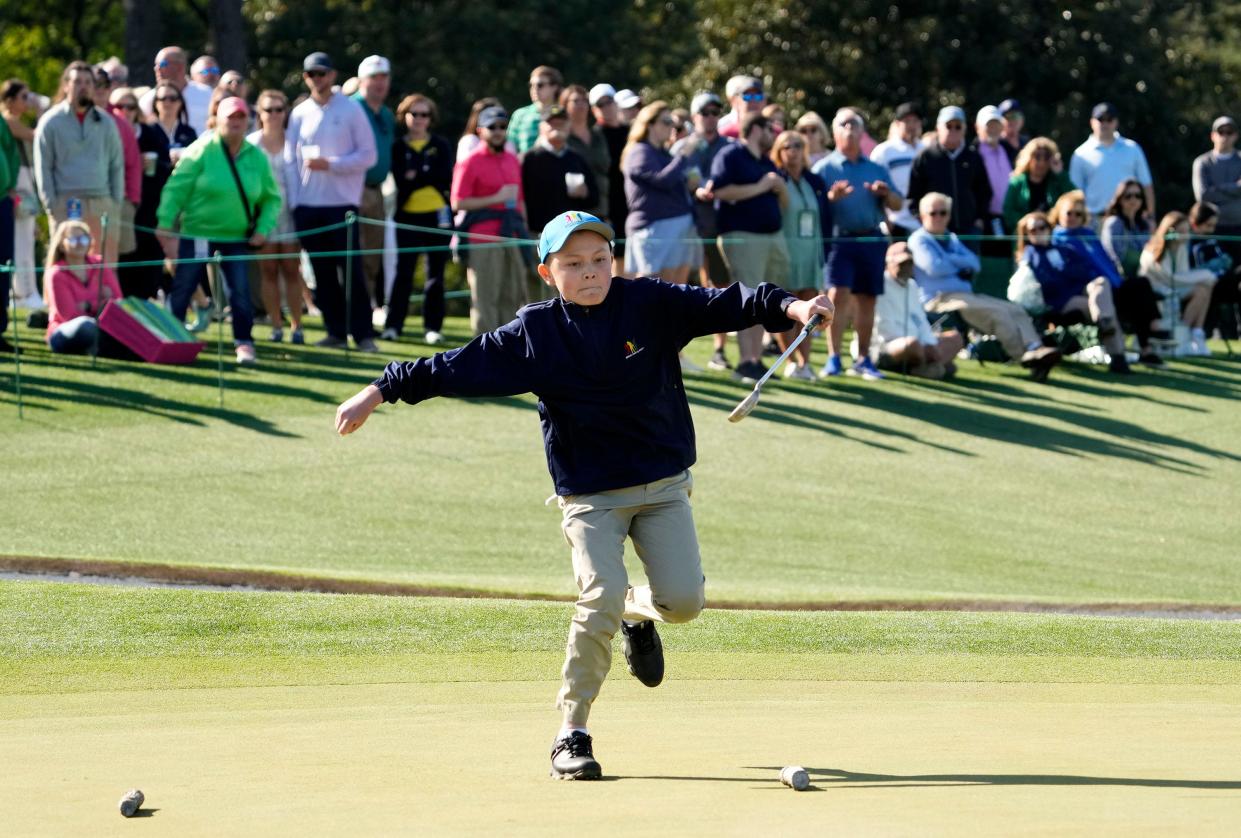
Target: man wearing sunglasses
[1106,160]
[487,187]
[170,67]
[374,83]
[946,165]
[1217,180]
[545,86]
[331,146]
[745,96]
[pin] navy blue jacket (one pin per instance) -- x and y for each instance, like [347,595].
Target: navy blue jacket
[611,401]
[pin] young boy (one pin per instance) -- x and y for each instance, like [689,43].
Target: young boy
[602,358]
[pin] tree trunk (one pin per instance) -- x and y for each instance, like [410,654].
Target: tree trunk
[228,36]
[144,35]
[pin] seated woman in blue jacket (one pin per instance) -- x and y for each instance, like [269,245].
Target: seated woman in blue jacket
[602,359]
[1071,282]
[1070,230]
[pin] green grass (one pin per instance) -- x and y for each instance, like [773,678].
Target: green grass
[1089,489]
[68,638]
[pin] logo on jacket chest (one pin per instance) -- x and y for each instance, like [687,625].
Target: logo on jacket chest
[631,349]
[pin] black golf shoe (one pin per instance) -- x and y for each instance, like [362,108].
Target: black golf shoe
[573,759]
[644,652]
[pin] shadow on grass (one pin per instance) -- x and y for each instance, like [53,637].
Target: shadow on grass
[108,395]
[838,778]
[973,408]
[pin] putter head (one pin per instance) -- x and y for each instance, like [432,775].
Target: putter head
[743,410]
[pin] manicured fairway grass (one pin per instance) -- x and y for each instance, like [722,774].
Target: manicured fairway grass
[296,713]
[1088,489]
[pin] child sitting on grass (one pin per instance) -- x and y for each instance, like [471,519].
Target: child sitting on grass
[603,360]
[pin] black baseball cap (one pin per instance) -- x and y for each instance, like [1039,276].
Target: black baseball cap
[490,116]
[555,112]
[1008,106]
[1104,110]
[317,61]
[905,109]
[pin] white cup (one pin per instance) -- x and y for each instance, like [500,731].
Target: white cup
[310,152]
[574,180]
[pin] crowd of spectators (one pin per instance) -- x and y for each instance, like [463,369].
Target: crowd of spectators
[732,189]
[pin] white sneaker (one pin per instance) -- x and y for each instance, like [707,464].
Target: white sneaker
[801,373]
[689,366]
[434,338]
[246,355]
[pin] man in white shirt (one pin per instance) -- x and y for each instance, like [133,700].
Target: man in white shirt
[897,154]
[904,339]
[1106,160]
[170,67]
[330,147]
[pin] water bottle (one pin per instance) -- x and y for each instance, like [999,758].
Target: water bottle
[73,209]
[443,217]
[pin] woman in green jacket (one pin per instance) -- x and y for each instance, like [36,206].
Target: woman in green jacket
[222,190]
[1038,180]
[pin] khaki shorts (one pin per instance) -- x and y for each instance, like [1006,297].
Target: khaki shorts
[755,257]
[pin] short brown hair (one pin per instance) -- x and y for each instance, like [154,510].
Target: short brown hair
[408,103]
[545,72]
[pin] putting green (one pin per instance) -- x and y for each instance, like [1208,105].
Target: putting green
[691,757]
[243,713]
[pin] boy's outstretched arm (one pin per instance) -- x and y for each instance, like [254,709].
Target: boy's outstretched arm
[498,363]
[355,411]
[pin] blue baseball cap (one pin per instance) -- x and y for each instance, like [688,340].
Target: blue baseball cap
[558,230]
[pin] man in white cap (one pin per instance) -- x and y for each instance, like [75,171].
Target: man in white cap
[374,82]
[947,165]
[997,161]
[607,113]
[629,103]
[745,96]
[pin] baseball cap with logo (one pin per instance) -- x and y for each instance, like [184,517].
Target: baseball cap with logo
[1103,110]
[948,114]
[740,84]
[558,230]
[490,116]
[1010,106]
[230,106]
[703,99]
[628,99]
[601,91]
[317,61]
[374,65]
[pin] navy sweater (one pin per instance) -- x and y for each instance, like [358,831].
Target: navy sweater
[611,401]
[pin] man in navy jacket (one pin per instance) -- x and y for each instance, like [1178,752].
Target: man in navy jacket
[602,358]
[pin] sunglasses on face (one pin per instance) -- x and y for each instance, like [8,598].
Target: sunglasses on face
[710,113]
[128,106]
[808,129]
[209,71]
[1132,196]
[273,109]
[420,114]
[316,74]
[1226,132]
[752,97]
[605,103]
[794,147]
[1041,155]
[666,121]
[167,98]
[164,65]
[1075,214]
[78,241]
[502,126]
[1038,228]
[937,212]
[1106,118]
[542,84]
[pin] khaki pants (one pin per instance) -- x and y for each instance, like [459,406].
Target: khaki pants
[1099,306]
[497,277]
[752,258]
[1009,322]
[371,237]
[128,240]
[657,517]
[93,209]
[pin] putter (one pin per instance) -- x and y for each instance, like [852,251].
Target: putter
[747,404]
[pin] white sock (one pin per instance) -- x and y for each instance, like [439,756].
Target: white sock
[566,732]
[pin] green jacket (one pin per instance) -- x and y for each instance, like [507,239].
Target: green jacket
[203,193]
[1017,199]
[10,160]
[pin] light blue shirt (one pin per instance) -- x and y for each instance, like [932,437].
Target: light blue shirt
[860,210]
[339,131]
[938,262]
[1099,169]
